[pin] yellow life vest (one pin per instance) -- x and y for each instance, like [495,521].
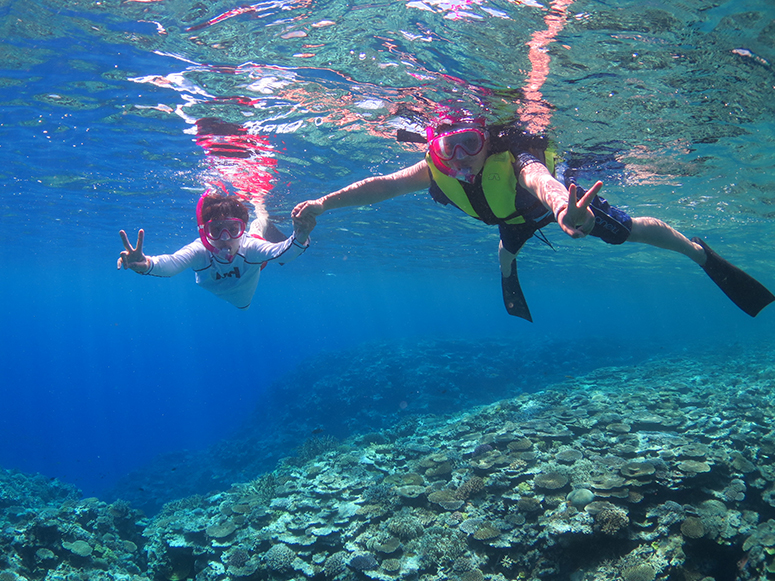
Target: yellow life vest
[499,184]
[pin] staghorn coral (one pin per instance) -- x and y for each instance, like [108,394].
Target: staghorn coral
[315,446]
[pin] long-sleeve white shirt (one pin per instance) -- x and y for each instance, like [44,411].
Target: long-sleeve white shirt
[234,281]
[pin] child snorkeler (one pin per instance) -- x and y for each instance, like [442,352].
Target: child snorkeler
[227,259]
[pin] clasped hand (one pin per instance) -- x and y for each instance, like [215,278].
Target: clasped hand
[311,208]
[303,225]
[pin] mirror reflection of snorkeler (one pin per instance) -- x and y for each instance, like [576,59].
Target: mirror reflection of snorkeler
[503,176]
[227,258]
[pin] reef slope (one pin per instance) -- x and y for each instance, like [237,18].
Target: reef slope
[665,470]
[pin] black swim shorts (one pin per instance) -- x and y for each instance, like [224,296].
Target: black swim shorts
[612,225]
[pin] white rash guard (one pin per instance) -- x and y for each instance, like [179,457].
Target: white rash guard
[234,281]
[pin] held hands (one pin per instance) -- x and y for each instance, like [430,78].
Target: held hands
[576,219]
[312,208]
[133,258]
[303,225]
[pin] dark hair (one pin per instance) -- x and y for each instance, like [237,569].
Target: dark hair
[217,206]
[506,136]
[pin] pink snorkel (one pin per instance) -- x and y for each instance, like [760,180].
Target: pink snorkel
[222,253]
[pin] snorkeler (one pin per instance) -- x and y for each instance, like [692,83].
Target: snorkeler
[501,176]
[227,259]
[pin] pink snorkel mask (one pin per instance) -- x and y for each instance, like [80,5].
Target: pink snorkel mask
[444,147]
[230,228]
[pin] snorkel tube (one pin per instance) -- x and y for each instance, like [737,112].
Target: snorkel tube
[405,136]
[221,253]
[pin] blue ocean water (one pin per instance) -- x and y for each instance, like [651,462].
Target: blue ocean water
[101,129]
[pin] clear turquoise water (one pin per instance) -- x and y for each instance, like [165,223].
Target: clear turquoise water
[104,370]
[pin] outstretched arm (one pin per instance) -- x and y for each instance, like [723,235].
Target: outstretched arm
[133,258]
[572,214]
[369,191]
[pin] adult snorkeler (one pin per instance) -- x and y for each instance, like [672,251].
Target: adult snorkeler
[226,258]
[501,176]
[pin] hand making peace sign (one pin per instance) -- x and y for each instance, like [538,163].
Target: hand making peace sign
[133,258]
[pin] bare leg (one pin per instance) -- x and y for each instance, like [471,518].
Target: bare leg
[656,233]
[506,260]
[262,226]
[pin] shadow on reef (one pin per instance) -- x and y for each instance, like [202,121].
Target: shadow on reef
[379,386]
[660,472]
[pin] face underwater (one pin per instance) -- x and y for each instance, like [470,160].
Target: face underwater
[460,151]
[225,234]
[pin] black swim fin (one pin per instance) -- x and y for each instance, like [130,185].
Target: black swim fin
[513,297]
[743,289]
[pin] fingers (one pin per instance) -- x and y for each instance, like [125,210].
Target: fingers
[129,256]
[577,220]
[125,261]
[586,200]
[128,248]
[572,231]
[125,240]
[303,226]
[596,188]
[307,221]
[310,207]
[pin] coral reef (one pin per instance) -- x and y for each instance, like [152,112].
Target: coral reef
[624,473]
[49,533]
[375,387]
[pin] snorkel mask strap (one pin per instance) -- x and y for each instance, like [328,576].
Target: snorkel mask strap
[430,135]
[200,223]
